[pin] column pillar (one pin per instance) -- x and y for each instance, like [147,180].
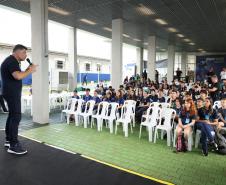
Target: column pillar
[170,64]
[39,45]
[139,61]
[116,53]
[151,57]
[72,59]
[184,59]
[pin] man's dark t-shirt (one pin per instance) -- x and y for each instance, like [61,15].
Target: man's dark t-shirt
[216,94]
[11,86]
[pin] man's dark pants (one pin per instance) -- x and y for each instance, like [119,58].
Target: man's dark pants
[14,117]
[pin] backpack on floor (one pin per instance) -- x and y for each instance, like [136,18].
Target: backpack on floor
[181,144]
[221,141]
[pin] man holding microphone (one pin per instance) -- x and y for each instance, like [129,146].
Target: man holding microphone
[12,88]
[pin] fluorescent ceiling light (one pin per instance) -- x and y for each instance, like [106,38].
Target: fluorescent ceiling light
[172,29]
[192,43]
[161,21]
[145,43]
[107,29]
[88,21]
[200,49]
[145,10]
[125,35]
[138,40]
[187,40]
[180,35]
[58,11]
[163,49]
[157,47]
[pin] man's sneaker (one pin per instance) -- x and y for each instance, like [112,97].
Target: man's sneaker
[7,144]
[17,149]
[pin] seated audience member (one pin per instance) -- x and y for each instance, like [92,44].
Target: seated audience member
[87,96]
[143,106]
[203,94]
[223,89]
[120,100]
[214,89]
[222,114]
[139,96]
[207,120]
[75,94]
[172,99]
[108,97]
[153,97]
[186,120]
[199,103]
[178,108]
[131,96]
[96,99]
[161,98]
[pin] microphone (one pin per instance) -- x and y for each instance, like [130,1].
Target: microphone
[28,60]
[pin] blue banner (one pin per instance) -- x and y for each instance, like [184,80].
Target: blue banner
[204,63]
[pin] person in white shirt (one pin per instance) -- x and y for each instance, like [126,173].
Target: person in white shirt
[223,73]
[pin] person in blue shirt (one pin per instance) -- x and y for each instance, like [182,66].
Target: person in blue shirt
[87,96]
[108,97]
[161,98]
[75,94]
[96,99]
[207,119]
[153,97]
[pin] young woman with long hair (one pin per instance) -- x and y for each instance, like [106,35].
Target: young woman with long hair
[186,119]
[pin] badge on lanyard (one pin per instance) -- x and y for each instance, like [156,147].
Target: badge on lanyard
[187,120]
[207,117]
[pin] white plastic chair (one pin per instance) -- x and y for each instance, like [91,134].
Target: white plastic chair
[165,105]
[87,113]
[112,116]
[197,137]
[154,105]
[133,104]
[169,115]
[70,108]
[102,111]
[217,105]
[78,111]
[125,119]
[153,116]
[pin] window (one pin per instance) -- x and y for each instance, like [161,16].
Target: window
[60,64]
[87,66]
[177,63]
[63,77]
[191,62]
[98,68]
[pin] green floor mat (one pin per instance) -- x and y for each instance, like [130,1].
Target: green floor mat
[139,155]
